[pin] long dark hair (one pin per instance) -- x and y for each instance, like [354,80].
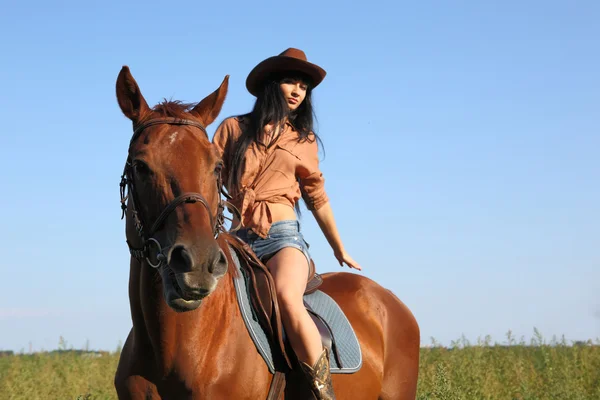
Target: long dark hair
[271,107]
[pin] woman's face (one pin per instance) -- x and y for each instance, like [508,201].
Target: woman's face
[294,91]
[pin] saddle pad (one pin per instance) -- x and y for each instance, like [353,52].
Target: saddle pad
[323,305]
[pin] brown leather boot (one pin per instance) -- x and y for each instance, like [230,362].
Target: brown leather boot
[319,377]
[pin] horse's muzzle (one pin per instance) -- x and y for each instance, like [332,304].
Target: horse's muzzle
[196,275]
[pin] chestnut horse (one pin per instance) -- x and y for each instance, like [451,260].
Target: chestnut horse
[188,339]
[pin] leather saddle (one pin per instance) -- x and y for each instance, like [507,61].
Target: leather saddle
[264,302]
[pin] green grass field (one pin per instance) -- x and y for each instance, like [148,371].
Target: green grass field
[528,371]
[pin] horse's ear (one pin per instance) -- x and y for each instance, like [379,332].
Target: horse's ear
[208,109]
[129,96]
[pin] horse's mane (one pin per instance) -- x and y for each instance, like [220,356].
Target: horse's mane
[171,109]
[174,108]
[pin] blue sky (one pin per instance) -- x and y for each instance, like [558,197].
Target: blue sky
[461,152]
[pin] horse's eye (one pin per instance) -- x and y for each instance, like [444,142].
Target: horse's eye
[218,168]
[141,167]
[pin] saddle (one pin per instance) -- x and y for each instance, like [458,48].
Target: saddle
[264,301]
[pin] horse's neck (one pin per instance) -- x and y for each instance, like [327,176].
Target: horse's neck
[173,334]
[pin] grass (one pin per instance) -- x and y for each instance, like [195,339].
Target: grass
[516,371]
[57,376]
[535,370]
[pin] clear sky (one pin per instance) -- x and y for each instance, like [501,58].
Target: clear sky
[461,152]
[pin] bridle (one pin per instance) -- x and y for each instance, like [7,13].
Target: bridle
[217,221]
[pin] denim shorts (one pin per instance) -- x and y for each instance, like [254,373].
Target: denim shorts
[281,234]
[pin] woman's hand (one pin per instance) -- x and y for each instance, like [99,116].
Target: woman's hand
[344,258]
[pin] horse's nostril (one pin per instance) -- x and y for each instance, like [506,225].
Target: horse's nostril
[222,257]
[218,260]
[219,264]
[181,260]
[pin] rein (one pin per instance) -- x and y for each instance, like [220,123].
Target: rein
[128,192]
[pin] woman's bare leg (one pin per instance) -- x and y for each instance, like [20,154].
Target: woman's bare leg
[290,273]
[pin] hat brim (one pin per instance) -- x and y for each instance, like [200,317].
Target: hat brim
[275,64]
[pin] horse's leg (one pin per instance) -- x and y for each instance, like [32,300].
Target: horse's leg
[132,377]
[402,346]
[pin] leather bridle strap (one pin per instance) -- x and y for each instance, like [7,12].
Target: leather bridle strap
[137,129]
[184,198]
[216,221]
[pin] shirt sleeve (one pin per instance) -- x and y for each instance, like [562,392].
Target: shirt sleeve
[222,140]
[312,182]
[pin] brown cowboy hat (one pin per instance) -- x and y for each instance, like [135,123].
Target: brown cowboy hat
[290,60]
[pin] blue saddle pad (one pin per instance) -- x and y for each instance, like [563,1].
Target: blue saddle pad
[323,305]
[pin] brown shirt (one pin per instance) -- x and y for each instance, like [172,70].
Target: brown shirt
[279,173]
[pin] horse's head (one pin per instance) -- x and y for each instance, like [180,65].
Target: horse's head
[173,201]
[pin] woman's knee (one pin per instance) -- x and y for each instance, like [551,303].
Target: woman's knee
[290,303]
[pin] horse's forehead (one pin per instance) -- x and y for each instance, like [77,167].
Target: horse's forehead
[173,137]
[186,135]
[171,147]
[182,143]
[170,138]
[174,148]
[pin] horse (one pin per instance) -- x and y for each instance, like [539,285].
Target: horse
[188,339]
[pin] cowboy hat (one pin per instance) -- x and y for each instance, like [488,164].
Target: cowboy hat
[289,60]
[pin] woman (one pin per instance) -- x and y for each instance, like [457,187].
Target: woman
[270,161]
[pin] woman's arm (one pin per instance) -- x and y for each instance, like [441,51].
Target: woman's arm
[312,184]
[324,217]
